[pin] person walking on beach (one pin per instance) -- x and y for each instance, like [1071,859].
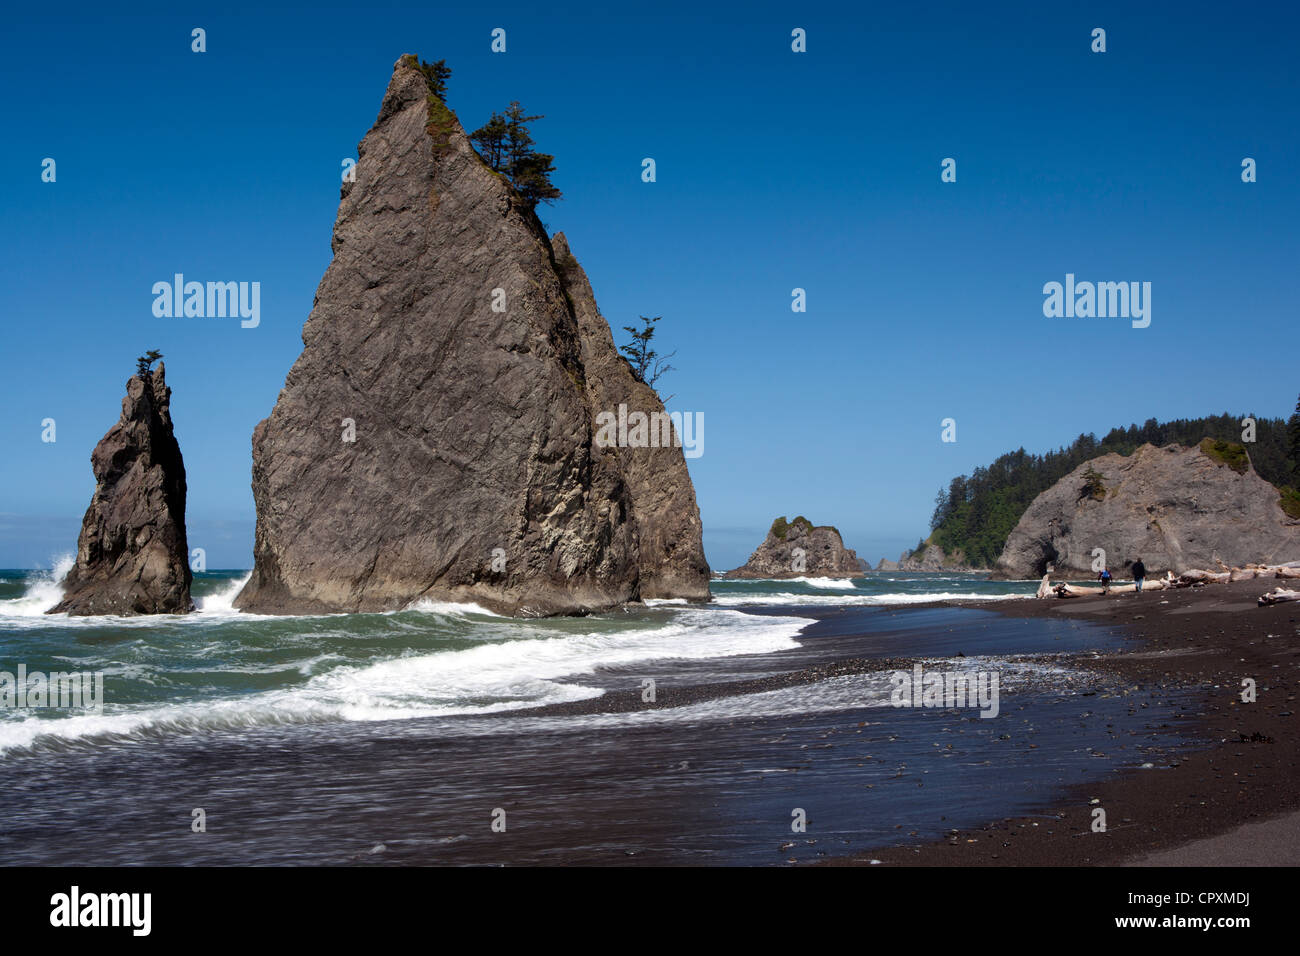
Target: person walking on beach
[1139,574]
[1104,578]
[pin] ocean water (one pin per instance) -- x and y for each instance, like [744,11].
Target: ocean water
[221,669]
[394,738]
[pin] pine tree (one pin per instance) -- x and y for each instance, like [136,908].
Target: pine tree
[144,361]
[436,75]
[490,141]
[1293,433]
[647,365]
[506,145]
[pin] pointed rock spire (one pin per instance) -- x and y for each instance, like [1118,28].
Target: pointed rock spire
[436,437]
[132,555]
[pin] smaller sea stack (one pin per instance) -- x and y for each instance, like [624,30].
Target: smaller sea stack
[798,548]
[132,555]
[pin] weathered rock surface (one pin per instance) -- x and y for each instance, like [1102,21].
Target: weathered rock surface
[932,559]
[473,474]
[1175,508]
[661,496]
[797,548]
[132,554]
[887,565]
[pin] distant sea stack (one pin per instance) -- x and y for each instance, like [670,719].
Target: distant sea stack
[436,437]
[1176,508]
[132,555]
[932,558]
[797,548]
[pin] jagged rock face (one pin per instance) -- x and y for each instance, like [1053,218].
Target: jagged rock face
[660,493]
[887,565]
[932,559]
[1175,508]
[798,549]
[132,555]
[473,474]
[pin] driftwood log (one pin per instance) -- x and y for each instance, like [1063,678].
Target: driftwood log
[1278,596]
[1064,590]
[1191,578]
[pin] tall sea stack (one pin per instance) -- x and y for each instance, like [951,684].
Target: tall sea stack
[132,555]
[436,437]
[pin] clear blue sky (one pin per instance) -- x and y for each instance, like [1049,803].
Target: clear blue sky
[775,170]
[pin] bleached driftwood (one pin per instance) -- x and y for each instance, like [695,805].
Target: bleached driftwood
[1150,584]
[1193,577]
[1064,590]
[1190,578]
[1278,596]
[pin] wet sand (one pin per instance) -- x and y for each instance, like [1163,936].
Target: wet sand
[710,773]
[1233,803]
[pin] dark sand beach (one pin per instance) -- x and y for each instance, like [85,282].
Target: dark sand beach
[1128,701]
[709,773]
[1233,803]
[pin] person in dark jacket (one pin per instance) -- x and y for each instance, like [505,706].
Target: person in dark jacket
[1139,574]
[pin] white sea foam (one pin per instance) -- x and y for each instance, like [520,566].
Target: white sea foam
[865,600]
[850,692]
[44,590]
[222,602]
[840,584]
[486,678]
[449,608]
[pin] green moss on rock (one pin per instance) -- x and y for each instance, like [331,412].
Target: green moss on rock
[780,527]
[1227,453]
[1289,501]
